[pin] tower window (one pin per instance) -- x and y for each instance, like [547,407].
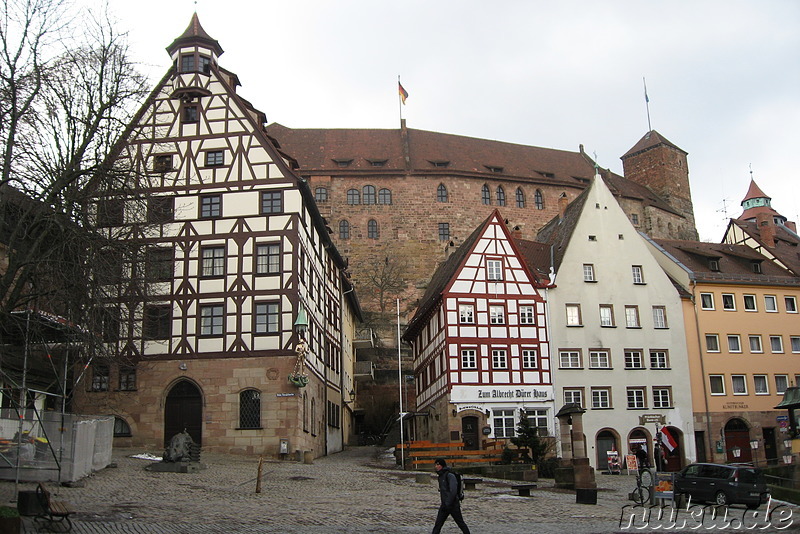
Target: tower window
[538,200]
[486,195]
[441,193]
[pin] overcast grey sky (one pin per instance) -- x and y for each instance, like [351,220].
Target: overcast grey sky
[723,77]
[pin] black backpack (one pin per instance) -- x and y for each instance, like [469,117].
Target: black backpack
[459,485]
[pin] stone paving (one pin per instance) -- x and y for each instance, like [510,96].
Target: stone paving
[358,491]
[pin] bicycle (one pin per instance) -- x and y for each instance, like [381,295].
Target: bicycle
[644,485]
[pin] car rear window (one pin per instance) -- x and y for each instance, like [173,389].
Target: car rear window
[748,475]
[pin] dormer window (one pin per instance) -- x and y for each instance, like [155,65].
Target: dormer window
[547,174]
[377,162]
[439,163]
[494,168]
[713,265]
[756,265]
[343,162]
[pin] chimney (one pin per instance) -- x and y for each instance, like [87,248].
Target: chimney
[766,229]
[516,232]
[563,201]
[791,225]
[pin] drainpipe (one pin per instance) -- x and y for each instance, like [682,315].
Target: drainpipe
[709,436]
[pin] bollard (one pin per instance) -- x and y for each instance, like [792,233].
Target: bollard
[308,457]
[258,477]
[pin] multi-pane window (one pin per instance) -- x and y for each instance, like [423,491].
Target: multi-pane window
[344,229]
[469,359]
[588,273]
[187,63]
[716,384]
[638,274]
[160,210]
[162,162]
[501,196]
[634,359]
[632,317]
[271,202]
[520,198]
[750,303]
[635,219]
[444,231]
[505,423]
[466,313]
[158,264]
[662,397]
[636,398]
[499,359]
[190,114]
[529,359]
[210,206]
[538,419]
[384,196]
[738,385]
[728,302]
[215,158]
[497,315]
[601,398]
[791,304]
[659,359]
[205,64]
[100,377]
[250,409]
[781,383]
[321,194]
[372,229]
[569,359]
[760,385]
[755,344]
[267,318]
[486,195]
[573,314]
[599,359]
[606,315]
[776,344]
[659,317]
[368,194]
[157,322]
[734,343]
[211,320]
[712,343]
[494,270]
[795,340]
[127,379]
[441,193]
[527,315]
[353,197]
[538,200]
[212,261]
[707,301]
[111,212]
[573,396]
[770,303]
[268,259]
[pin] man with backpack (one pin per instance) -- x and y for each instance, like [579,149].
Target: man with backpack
[451,491]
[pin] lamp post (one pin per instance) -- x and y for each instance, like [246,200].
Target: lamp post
[737,451]
[754,446]
[787,454]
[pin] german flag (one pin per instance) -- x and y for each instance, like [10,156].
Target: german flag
[403,92]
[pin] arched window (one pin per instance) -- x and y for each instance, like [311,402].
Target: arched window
[369,194]
[538,200]
[250,409]
[321,194]
[441,193]
[121,428]
[353,197]
[344,229]
[372,229]
[520,198]
[501,196]
[486,195]
[384,196]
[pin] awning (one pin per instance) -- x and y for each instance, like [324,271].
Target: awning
[791,398]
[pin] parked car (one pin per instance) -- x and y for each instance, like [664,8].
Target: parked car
[723,484]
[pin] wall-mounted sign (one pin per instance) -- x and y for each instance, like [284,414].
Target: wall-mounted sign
[652,418]
[285,394]
[514,394]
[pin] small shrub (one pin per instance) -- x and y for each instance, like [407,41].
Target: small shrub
[547,467]
[7,511]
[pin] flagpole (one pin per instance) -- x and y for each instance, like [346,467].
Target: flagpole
[399,99]
[647,105]
[400,382]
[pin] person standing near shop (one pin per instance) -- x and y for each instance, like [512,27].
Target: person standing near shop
[448,493]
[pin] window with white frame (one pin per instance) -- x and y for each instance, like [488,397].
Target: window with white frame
[728,302]
[573,314]
[529,359]
[636,398]
[466,313]
[537,418]
[527,315]
[634,359]
[659,317]
[770,303]
[712,343]
[734,343]
[497,315]
[795,340]
[569,359]
[632,317]
[494,270]
[606,315]
[791,304]
[776,344]
[750,303]
[499,359]
[573,396]
[588,273]
[662,397]
[659,359]
[760,385]
[469,359]
[707,301]
[716,384]
[755,344]
[738,385]
[781,383]
[638,274]
[505,423]
[599,359]
[601,398]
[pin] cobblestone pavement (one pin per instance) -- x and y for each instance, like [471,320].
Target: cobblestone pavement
[356,491]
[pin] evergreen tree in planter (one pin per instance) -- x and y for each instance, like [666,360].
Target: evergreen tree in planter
[527,438]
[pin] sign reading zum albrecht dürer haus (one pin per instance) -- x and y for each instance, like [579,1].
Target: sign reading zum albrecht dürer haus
[512,394]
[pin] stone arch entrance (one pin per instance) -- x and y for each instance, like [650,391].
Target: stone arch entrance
[183,410]
[737,434]
[640,437]
[606,440]
[673,459]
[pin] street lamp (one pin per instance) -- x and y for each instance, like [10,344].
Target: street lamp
[787,455]
[754,446]
[737,451]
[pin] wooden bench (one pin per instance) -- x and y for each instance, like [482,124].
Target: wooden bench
[53,512]
[524,489]
[469,483]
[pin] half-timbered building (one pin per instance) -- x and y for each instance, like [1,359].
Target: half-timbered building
[235,326]
[480,345]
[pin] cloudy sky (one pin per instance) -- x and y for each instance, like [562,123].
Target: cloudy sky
[723,77]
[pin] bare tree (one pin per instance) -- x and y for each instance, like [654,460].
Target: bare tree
[385,276]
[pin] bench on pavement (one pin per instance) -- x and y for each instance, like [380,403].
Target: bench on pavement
[53,512]
[469,483]
[524,489]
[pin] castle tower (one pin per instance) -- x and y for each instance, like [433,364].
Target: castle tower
[756,202]
[660,165]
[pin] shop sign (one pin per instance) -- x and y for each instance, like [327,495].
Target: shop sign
[521,394]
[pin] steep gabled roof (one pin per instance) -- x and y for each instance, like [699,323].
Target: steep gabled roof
[651,140]
[786,243]
[558,232]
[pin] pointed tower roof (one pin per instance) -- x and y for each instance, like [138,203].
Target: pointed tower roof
[650,140]
[195,34]
[755,202]
[754,192]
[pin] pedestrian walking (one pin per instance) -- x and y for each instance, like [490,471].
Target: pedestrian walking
[448,492]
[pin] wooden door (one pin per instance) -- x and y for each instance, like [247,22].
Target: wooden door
[469,433]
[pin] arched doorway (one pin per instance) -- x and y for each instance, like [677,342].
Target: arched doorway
[469,433]
[737,435]
[183,410]
[672,459]
[639,437]
[606,441]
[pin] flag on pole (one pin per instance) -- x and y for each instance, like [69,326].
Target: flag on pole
[403,92]
[667,439]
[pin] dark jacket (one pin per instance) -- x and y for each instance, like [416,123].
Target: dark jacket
[448,488]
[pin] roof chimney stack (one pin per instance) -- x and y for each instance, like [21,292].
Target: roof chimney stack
[563,201]
[766,229]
